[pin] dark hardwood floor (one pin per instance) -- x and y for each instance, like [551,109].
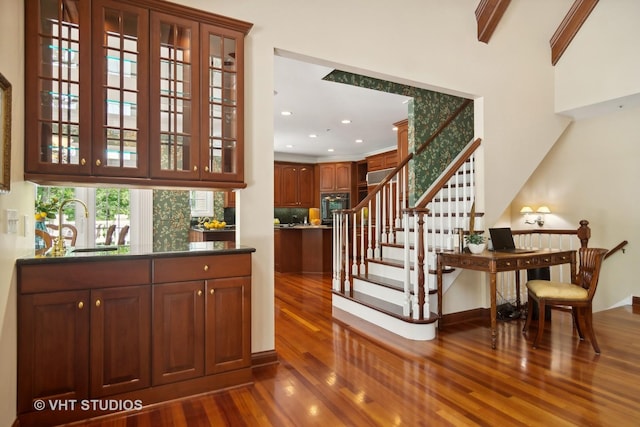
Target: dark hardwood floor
[331,375]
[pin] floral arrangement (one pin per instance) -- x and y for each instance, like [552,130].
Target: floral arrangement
[46,209]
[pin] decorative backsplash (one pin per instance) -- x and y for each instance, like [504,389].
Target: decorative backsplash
[171,219]
[426,111]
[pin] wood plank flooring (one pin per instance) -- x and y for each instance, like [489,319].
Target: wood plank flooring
[331,375]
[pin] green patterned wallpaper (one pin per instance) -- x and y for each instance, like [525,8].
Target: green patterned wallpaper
[426,111]
[171,219]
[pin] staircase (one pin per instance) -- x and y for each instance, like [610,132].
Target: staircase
[384,256]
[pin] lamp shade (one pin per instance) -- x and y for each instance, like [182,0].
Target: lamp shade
[526,210]
[543,210]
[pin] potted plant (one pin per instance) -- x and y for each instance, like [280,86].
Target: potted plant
[475,242]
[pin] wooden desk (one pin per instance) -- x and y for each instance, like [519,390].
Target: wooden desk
[496,262]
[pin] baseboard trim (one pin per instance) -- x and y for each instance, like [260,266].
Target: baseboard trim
[635,301]
[466,316]
[264,358]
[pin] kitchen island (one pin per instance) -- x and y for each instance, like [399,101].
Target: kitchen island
[303,248]
[130,326]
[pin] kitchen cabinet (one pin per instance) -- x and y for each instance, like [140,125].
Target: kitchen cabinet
[230,199]
[403,138]
[153,327]
[120,340]
[202,326]
[382,161]
[228,324]
[294,186]
[197,128]
[178,333]
[336,177]
[81,326]
[62,91]
[121,92]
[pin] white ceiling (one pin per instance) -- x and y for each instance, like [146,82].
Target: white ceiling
[319,106]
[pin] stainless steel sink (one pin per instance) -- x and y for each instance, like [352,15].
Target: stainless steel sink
[96,249]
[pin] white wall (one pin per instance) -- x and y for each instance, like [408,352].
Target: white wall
[602,63]
[12,246]
[592,173]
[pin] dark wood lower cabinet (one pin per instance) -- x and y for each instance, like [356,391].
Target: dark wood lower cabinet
[120,340]
[53,347]
[143,330]
[178,333]
[228,324]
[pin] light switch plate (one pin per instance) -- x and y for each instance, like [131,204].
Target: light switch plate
[12,221]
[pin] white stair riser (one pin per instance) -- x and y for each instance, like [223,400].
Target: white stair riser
[389,271]
[412,331]
[381,292]
[391,252]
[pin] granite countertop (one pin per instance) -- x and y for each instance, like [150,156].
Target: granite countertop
[300,227]
[138,251]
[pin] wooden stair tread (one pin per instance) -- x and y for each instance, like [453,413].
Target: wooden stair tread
[385,307]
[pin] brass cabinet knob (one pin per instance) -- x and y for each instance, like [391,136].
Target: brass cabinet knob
[98,162]
[206,267]
[199,292]
[98,303]
[83,161]
[211,291]
[206,168]
[195,168]
[80,305]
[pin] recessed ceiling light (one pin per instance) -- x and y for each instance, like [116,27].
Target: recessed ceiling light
[330,150]
[286,113]
[395,129]
[313,135]
[346,121]
[358,141]
[289,146]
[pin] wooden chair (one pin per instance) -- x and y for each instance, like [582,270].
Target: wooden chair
[577,295]
[46,238]
[69,232]
[123,235]
[109,239]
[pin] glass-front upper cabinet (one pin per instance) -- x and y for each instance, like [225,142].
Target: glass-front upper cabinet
[58,86]
[174,104]
[143,93]
[86,103]
[121,89]
[222,97]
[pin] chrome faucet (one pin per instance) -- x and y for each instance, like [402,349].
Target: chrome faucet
[58,245]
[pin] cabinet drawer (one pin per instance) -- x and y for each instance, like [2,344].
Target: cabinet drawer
[561,258]
[69,276]
[179,269]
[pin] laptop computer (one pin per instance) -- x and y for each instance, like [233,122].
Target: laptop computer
[502,240]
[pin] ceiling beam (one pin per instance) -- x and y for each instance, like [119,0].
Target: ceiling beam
[579,12]
[488,14]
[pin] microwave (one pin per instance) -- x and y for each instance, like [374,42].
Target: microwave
[330,202]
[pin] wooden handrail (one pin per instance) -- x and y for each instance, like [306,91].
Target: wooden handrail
[618,247]
[453,168]
[583,232]
[410,156]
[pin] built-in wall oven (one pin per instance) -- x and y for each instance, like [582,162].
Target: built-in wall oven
[330,202]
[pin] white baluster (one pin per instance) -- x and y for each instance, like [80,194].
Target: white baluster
[406,308]
[347,282]
[369,232]
[363,234]
[354,266]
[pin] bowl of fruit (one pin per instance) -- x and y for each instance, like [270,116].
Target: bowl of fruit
[214,225]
